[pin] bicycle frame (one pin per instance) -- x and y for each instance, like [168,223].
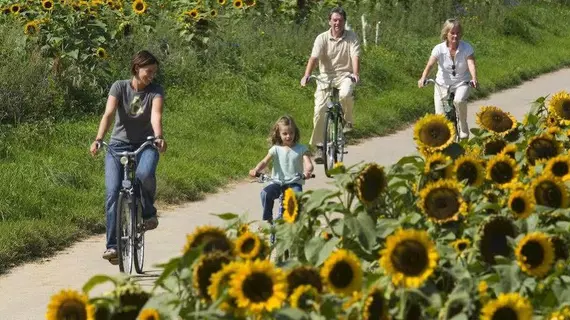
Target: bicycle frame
[334,142]
[130,192]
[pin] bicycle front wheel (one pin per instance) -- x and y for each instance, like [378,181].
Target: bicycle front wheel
[124,233]
[138,231]
[330,142]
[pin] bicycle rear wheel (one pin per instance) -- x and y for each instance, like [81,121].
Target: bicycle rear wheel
[124,233]
[138,232]
[330,142]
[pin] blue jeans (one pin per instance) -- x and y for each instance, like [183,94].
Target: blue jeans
[147,161]
[272,192]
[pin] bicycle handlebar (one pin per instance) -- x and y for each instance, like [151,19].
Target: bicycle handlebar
[432,81]
[149,141]
[264,178]
[326,82]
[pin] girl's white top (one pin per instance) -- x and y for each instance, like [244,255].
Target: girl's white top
[287,161]
[445,63]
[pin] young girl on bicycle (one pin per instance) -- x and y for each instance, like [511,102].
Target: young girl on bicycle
[289,158]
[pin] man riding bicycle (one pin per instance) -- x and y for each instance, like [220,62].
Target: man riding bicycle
[337,51]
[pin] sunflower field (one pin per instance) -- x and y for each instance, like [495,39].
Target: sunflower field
[472,230]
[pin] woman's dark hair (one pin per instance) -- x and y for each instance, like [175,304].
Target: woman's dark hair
[338,10]
[141,59]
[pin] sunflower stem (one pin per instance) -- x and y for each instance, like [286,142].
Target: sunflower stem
[330,226]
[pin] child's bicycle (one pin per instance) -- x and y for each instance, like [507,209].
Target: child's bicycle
[262,178]
[334,142]
[447,102]
[129,224]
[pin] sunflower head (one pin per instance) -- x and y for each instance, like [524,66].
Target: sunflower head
[139,6]
[370,183]
[507,306]
[493,235]
[552,120]
[341,272]
[205,267]
[409,257]
[550,192]
[132,299]
[194,14]
[238,4]
[211,238]
[461,245]
[521,203]
[455,306]
[436,165]
[469,169]
[47,5]
[510,150]
[304,297]
[258,286]
[493,146]
[560,248]
[69,304]
[441,201]
[543,146]
[559,105]
[535,254]
[375,305]
[149,314]
[222,2]
[495,120]
[32,28]
[502,170]
[304,275]
[101,53]
[250,246]
[249,3]
[220,281]
[559,167]
[290,206]
[433,132]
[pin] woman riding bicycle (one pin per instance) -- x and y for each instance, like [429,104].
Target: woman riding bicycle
[456,65]
[137,105]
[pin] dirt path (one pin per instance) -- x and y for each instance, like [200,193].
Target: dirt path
[26,290]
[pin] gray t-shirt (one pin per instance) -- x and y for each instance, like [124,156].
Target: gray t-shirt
[132,119]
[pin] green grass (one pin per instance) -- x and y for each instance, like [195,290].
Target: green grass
[219,111]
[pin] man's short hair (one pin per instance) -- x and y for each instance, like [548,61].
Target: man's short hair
[338,10]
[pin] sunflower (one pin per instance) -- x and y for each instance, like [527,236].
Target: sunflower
[258,286]
[441,201]
[495,120]
[206,266]
[552,120]
[238,4]
[249,3]
[535,254]
[482,288]
[435,166]
[370,183]
[6,10]
[194,14]
[101,53]
[410,257]
[559,167]
[47,5]
[70,304]
[341,272]
[149,314]
[131,297]
[468,168]
[32,28]
[212,238]
[243,228]
[375,305]
[139,6]
[221,280]
[455,306]
[510,150]
[213,13]
[550,192]
[521,203]
[493,238]
[542,147]
[304,275]
[494,146]
[461,245]
[304,297]
[510,306]
[502,170]
[434,132]
[560,106]
[290,206]
[15,8]
[222,2]
[249,246]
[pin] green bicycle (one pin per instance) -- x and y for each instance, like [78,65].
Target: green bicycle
[334,141]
